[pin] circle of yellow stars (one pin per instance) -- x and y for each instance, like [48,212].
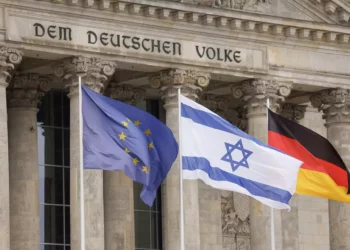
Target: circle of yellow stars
[123,136]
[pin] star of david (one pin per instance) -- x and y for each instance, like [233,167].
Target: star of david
[235,163]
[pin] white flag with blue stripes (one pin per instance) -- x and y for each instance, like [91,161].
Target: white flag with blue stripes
[225,157]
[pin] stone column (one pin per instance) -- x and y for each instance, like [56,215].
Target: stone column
[23,97]
[118,189]
[254,94]
[335,106]
[290,219]
[9,58]
[94,73]
[190,83]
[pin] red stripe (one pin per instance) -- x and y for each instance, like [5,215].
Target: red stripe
[296,150]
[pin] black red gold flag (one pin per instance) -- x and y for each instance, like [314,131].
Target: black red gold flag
[323,173]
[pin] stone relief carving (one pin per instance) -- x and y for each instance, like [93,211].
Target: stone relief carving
[250,5]
[235,221]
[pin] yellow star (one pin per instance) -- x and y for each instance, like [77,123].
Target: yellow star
[137,123]
[125,124]
[135,161]
[122,136]
[127,150]
[145,169]
[148,132]
[150,145]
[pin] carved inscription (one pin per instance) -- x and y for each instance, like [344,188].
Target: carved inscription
[137,43]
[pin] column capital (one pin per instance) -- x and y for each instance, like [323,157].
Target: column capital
[125,93]
[169,81]
[26,90]
[334,103]
[293,112]
[94,72]
[9,57]
[255,92]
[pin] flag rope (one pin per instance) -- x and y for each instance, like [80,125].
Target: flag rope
[81,168]
[182,233]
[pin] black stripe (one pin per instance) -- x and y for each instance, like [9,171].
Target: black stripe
[317,145]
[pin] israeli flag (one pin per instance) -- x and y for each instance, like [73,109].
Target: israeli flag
[225,157]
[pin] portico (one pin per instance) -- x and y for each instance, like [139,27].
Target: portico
[229,59]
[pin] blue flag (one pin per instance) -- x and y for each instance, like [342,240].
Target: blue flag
[118,136]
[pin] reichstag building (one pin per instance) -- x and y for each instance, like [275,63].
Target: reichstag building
[228,55]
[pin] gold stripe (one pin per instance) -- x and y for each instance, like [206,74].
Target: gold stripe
[320,184]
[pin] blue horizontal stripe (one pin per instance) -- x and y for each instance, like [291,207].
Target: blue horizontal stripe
[253,187]
[216,122]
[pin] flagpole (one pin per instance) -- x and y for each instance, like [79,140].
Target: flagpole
[272,217]
[182,233]
[81,168]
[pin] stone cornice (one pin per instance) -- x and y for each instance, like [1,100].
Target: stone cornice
[225,19]
[338,9]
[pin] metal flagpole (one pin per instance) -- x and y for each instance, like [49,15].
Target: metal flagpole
[272,217]
[81,169]
[182,233]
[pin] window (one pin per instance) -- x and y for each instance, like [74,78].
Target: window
[148,221]
[53,143]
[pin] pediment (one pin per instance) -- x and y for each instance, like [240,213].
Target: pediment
[330,11]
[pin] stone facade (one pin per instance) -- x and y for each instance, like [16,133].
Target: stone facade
[232,56]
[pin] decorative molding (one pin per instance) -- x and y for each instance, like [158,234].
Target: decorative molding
[169,81]
[225,18]
[26,91]
[235,221]
[293,112]
[334,104]
[93,71]
[125,93]
[254,94]
[9,58]
[337,9]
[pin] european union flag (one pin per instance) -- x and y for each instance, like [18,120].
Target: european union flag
[117,136]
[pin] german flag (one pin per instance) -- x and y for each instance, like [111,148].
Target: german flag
[323,173]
